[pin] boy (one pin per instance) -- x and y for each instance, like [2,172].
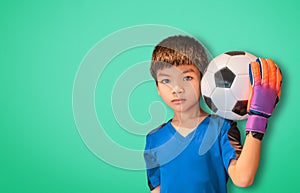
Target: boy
[174,155]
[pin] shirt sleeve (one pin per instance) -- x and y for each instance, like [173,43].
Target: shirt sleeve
[230,142]
[152,166]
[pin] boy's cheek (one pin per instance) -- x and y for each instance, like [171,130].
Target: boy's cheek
[161,89]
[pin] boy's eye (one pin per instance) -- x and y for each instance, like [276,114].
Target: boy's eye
[165,81]
[188,78]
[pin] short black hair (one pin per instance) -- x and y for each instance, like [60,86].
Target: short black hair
[178,50]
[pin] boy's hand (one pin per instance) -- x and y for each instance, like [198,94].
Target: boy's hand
[265,79]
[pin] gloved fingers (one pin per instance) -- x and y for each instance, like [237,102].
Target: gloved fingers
[254,73]
[250,97]
[275,77]
[272,74]
[264,71]
[278,82]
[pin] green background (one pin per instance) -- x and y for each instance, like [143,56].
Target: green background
[43,44]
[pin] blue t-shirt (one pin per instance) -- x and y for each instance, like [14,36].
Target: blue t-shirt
[197,163]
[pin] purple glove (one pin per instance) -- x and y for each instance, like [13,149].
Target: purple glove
[265,79]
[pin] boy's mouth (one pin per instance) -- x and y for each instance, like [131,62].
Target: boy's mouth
[178,101]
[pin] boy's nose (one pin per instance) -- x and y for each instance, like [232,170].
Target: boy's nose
[177,89]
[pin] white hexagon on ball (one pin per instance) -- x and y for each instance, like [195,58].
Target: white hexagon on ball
[239,84]
[223,98]
[218,63]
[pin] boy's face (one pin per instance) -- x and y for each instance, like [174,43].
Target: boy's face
[179,87]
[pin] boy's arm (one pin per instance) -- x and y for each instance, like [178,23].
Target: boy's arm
[265,79]
[156,190]
[243,170]
[152,167]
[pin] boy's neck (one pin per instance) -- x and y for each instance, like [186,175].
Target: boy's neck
[188,120]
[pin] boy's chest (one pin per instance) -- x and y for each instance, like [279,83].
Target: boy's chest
[186,153]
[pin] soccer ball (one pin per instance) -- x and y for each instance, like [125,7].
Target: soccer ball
[225,85]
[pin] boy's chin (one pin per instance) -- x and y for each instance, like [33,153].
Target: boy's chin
[180,109]
[184,108]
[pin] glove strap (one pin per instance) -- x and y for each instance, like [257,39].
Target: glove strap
[256,123]
[256,135]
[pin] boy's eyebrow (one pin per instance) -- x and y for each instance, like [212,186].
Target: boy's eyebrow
[162,74]
[187,71]
[184,72]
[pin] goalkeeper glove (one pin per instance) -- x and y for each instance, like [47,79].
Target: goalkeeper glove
[265,78]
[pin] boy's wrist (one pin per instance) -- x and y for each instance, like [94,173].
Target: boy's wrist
[256,123]
[256,135]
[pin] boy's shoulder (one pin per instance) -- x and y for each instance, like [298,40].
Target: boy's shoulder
[157,129]
[220,124]
[160,135]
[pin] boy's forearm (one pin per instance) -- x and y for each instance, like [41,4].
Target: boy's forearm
[156,190]
[243,170]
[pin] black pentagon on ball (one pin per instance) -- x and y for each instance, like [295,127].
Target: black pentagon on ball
[224,78]
[210,103]
[240,107]
[234,53]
